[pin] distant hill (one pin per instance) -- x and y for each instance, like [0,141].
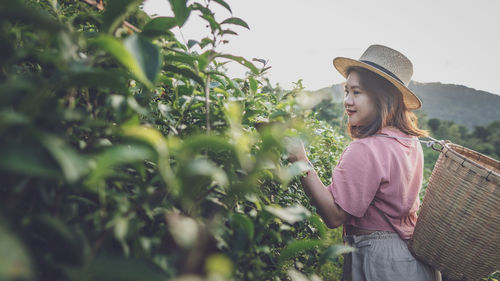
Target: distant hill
[460,104]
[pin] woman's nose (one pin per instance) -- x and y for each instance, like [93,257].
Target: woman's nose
[348,100]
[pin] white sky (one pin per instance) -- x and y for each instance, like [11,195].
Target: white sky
[448,41]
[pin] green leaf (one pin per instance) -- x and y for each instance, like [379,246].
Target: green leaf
[202,62]
[236,21]
[128,59]
[227,31]
[219,265]
[156,140]
[293,170]
[245,223]
[241,61]
[198,143]
[333,251]
[296,275]
[146,54]
[297,246]
[11,117]
[202,167]
[210,18]
[222,82]
[149,135]
[181,11]
[15,263]
[224,4]
[231,83]
[120,268]
[278,113]
[204,10]
[205,58]
[319,225]
[82,200]
[116,11]
[73,165]
[263,61]
[28,160]
[290,215]
[186,72]
[184,230]
[191,43]
[120,228]
[183,58]
[206,41]
[115,79]
[133,104]
[163,79]
[159,26]
[18,11]
[253,84]
[117,155]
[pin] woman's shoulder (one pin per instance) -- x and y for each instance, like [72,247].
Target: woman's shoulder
[364,145]
[385,138]
[364,151]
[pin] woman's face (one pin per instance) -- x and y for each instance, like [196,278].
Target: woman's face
[358,104]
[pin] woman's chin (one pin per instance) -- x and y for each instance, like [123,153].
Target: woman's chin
[355,124]
[352,123]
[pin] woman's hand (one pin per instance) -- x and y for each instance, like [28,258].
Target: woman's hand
[333,215]
[295,150]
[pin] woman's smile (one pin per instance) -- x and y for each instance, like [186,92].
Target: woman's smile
[350,112]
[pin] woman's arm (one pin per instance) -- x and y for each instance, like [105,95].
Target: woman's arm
[321,198]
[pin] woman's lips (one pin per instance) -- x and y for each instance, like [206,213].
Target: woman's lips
[350,112]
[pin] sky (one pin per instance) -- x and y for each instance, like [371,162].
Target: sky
[448,41]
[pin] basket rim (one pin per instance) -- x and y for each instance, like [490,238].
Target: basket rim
[449,150]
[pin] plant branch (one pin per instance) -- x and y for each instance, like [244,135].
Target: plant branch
[100,6]
[207,100]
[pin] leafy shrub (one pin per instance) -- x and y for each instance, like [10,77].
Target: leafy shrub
[126,154]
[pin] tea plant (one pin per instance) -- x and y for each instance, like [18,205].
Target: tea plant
[127,154]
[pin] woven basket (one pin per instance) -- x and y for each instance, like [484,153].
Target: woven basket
[458,228]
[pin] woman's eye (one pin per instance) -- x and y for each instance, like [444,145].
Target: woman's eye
[357,92]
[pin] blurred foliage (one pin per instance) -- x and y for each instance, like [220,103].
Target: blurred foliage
[129,155]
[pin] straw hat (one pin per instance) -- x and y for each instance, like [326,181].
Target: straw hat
[388,63]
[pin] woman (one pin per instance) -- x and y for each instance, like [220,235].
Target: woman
[375,186]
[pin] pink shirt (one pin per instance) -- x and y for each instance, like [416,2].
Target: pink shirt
[385,172]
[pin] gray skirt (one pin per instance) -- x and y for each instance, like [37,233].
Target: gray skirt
[384,256]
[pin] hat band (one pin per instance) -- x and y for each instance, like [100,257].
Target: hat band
[386,71]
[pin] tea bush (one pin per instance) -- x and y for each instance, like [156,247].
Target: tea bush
[127,154]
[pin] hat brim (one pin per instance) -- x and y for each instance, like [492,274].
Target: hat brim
[411,101]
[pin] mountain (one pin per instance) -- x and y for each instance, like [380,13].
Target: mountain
[457,103]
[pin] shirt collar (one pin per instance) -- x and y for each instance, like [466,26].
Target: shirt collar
[395,132]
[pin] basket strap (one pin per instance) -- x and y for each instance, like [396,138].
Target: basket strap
[429,143]
[383,215]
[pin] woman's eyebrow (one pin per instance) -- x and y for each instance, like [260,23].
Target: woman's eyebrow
[352,87]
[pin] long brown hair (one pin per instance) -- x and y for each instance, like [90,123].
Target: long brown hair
[389,106]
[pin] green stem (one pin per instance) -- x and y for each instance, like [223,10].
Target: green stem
[207,106]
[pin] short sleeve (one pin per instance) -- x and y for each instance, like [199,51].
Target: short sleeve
[356,179]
